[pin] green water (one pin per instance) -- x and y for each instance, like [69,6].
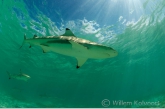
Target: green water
[137,73]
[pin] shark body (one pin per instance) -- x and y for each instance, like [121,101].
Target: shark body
[20,76]
[68,44]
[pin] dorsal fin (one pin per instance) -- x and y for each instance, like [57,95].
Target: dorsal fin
[68,32]
[34,36]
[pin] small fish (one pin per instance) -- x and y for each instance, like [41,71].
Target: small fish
[20,76]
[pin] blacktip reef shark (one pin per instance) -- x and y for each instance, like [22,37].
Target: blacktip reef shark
[20,76]
[68,44]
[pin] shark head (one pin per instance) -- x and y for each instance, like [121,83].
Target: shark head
[105,52]
[110,52]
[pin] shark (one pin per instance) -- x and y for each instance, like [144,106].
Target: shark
[70,45]
[20,76]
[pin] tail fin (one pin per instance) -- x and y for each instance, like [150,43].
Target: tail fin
[8,74]
[23,41]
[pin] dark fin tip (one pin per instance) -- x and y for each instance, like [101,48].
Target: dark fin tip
[20,47]
[30,46]
[9,78]
[67,29]
[44,45]
[43,51]
[78,67]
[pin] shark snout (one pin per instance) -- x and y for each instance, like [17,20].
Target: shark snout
[112,53]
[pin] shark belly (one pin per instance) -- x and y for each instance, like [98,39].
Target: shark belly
[19,77]
[67,49]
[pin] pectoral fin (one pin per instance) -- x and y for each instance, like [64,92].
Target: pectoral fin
[45,45]
[80,61]
[8,74]
[44,51]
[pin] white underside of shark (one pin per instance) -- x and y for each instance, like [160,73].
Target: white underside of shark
[68,44]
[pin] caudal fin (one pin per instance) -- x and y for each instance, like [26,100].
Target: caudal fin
[8,74]
[23,41]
